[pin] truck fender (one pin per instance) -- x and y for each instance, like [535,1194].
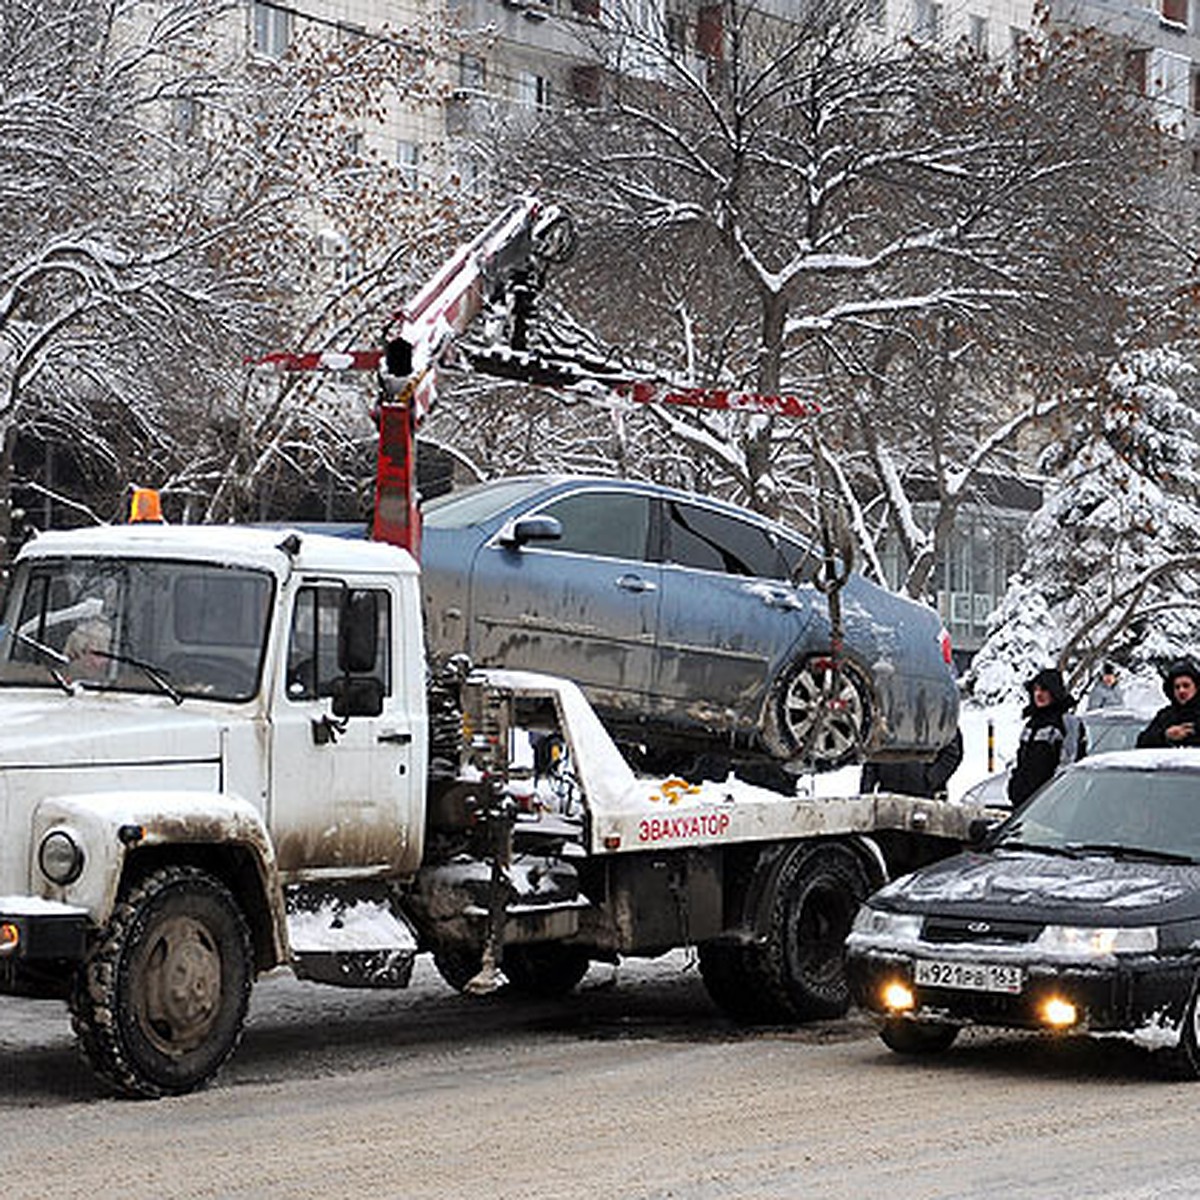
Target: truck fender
[119,832]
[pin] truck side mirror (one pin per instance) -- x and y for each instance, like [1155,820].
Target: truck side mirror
[358,632]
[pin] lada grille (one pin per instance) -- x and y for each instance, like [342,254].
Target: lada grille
[957,929]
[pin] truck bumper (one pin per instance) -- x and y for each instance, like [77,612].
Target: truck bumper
[42,930]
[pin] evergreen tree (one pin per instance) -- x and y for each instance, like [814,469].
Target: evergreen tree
[1109,552]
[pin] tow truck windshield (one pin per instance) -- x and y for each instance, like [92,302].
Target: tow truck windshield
[178,628]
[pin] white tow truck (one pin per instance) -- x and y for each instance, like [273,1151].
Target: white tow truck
[248,768]
[223,751]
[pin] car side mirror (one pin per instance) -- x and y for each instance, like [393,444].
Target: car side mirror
[535,528]
[357,696]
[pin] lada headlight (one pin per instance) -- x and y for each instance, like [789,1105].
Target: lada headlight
[1086,941]
[878,923]
[60,857]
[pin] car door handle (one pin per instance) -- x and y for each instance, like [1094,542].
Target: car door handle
[395,737]
[635,583]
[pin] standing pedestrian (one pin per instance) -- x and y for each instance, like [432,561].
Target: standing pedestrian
[1178,722]
[1052,737]
[1106,691]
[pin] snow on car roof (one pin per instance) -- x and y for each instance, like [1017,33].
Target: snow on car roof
[1174,759]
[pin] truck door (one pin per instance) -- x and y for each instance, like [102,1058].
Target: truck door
[342,788]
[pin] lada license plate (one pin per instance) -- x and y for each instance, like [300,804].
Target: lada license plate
[971,977]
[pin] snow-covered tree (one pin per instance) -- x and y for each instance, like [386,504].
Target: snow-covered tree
[1113,551]
[1023,637]
[932,246]
[171,202]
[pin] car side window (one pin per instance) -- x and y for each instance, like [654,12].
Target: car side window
[312,662]
[607,524]
[800,561]
[713,541]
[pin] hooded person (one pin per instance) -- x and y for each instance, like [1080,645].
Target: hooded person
[1052,736]
[1178,722]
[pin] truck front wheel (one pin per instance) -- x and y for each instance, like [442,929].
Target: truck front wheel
[160,1002]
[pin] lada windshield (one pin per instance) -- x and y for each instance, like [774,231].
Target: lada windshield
[150,625]
[1111,811]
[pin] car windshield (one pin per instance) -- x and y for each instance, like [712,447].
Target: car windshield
[152,625]
[1111,732]
[474,505]
[1111,810]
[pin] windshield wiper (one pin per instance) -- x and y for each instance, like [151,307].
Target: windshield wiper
[156,675]
[52,658]
[1119,850]
[1071,851]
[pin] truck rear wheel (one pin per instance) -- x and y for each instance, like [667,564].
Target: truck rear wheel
[815,902]
[160,1002]
[795,970]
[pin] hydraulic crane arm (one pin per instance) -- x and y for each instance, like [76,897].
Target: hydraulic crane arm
[502,268]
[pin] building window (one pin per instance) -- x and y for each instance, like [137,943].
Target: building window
[472,72]
[586,8]
[585,85]
[185,115]
[533,91]
[1135,70]
[927,21]
[1175,12]
[272,29]
[710,32]
[676,33]
[977,34]
[408,159]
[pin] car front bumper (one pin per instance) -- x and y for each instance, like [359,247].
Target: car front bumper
[1129,994]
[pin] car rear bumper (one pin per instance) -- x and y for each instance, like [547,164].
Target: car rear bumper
[1126,995]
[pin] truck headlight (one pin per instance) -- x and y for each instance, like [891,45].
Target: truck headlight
[1087,941]
[60,857]
[876,923]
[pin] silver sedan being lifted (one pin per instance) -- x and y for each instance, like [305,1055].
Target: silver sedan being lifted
[695,627]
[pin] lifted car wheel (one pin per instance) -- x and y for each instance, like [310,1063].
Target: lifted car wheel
[822,716]
[917,1037]
[159,1004]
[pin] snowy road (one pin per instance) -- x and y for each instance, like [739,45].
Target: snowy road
[637,1089]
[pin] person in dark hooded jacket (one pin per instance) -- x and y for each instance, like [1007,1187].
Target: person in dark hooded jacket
[1177,723]
[1052,737]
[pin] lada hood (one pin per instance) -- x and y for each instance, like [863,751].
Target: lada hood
[1037,888]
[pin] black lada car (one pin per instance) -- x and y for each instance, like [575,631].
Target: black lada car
[1080,912]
